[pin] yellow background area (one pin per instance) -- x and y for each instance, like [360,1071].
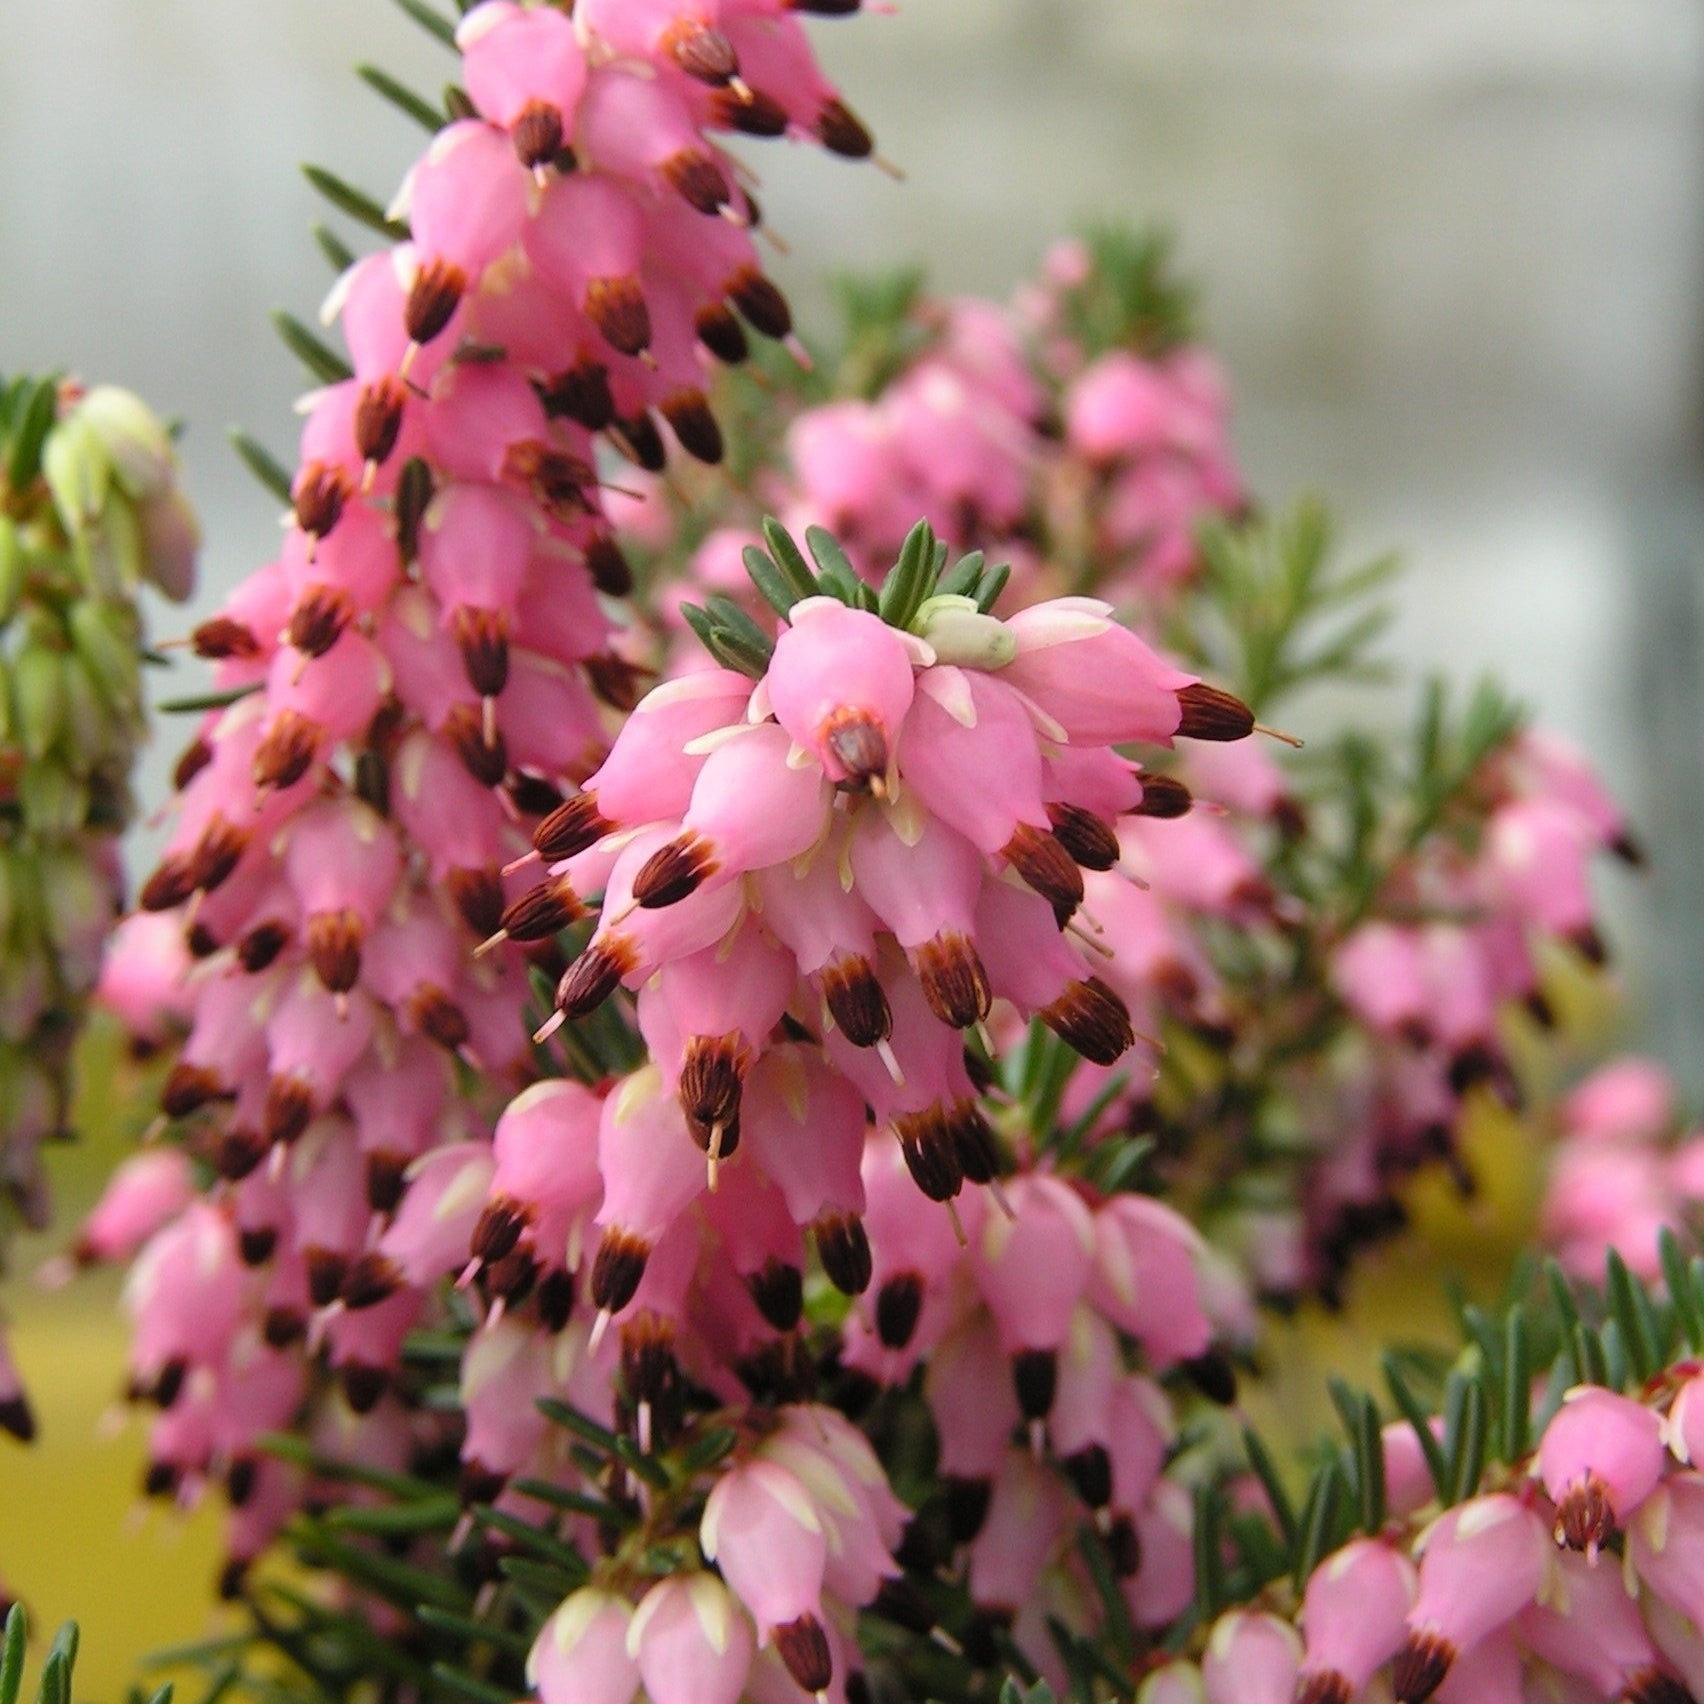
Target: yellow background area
[77,1539]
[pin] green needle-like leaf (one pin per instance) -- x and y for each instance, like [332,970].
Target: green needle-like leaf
[261,462]
[12,1654]
[1517,1386]
[403,98]
[321,360]
[356,203]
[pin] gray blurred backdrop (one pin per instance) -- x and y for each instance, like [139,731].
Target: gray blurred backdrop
[1452,254]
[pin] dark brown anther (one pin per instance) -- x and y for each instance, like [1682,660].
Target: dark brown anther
[168,1386]
[553,1299]
[1628,850]
[334,940]
[1035,1378]
[760,300]
[318,620]
[779,1292]
[236,1152]
[841,132]
[283,1326]
[1210,714]
[498,1229]
[616,306]
[954,981]
[477,1483]
[1091,1018]
[1421,1665]
[326,1270]
[256,1243]
[561,483]
[1090,1471]
[1585,1517]
[637,437]
[825,8]
[487,761]
[701,50]
[696,178]
[200,941]
[533,795]
[712,1076]
[289,1107]
[967,1505]
[900,1602]
[191,1087]
[803,1647]
[898,1304]
[1163,796]
[433,298]
[721,333]
[483,638]
[218,852]
[649,1371]
[1652,1686]
[371,1279]
[170,884]
[615,680]
[363,1386]
[318,495]
[415,488]
[436,1015]
[191,761]
[537,134]
[287,749]
[858,744]
[844,1250]
[749,111]
[674,871]
[233,1577]
[619,1266]
[378,419]
[219,638]
[261,945]
[574,825]
[581,393]
[973,1137]
[855,997]
[1047,868]
[509,1280]
[1213,1375]
[931,1153]
[594,976]
[611,572]
[688,412]
[386,1179]
[160,1480]
[240,1479]
[1091,843]
[478,896]
[1124,1551]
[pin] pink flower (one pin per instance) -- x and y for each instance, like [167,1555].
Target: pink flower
[580,1655]
[692,1641]
[1600,1457]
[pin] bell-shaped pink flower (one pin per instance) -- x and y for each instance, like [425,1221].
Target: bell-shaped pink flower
[1483,1563]
[1251,1658]
[580,1655]
[840,683]
[1353,1617]
[1665,1543]
[692,1641]
[1600,1457]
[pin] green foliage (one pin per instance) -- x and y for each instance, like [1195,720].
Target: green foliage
[53,1684]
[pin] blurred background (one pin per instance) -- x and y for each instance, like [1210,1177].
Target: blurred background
[1451,254]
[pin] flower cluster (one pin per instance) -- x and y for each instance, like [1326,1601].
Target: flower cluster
[425,666]
[1084,454]
[860,853]
[1510,1590]
[1623,1170]
[90,510]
